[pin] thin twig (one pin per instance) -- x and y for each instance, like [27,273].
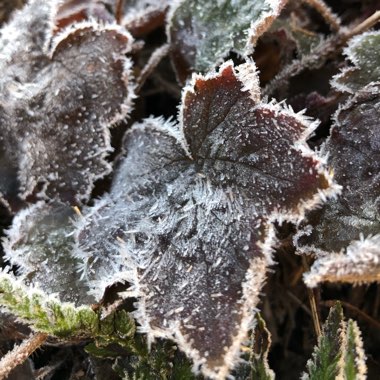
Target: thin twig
[365,25]
[325,11]
[299,302]
[20,353]
[119,11]
[313,303]
[354,309]
[324,51]
[154,60]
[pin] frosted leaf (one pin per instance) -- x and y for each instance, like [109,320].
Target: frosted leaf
[339,353]
[188,219]
[363,51]
[143,16]
[71,11]
[359,264]
[57,105]
[328,356]
[40,243]
[291,35]
[7,7]
[260,369]
[354,155]
[355,366]
[203,33]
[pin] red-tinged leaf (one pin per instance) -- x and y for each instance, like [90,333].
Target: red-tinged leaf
[142,16]
[57,105]
[72,11]
[188,222]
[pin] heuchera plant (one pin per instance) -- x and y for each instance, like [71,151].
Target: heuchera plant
[156,255]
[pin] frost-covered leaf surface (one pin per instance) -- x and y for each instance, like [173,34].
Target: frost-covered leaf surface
[7,7]
[354,155]
[71,11]
[363,53]
[47,314]
[142,16]
[58,98]
[40,243]
[188,219]
[360,263]
[203,33]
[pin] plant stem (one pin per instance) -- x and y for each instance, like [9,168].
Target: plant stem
[325,50]
[313,303]
[119,11]
[154,60]
[20,353]
[365,25]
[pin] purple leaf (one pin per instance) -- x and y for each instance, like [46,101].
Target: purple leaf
[143,16]
[58,103]
[188,222]
[344,234]
[40,243]
[354,155]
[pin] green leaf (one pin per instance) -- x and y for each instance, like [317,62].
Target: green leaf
[355,367]
[202,33]
[259,356]
[326,363]
[364,52]
[340,353]
[103,352]
[61,319]
[163,361]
